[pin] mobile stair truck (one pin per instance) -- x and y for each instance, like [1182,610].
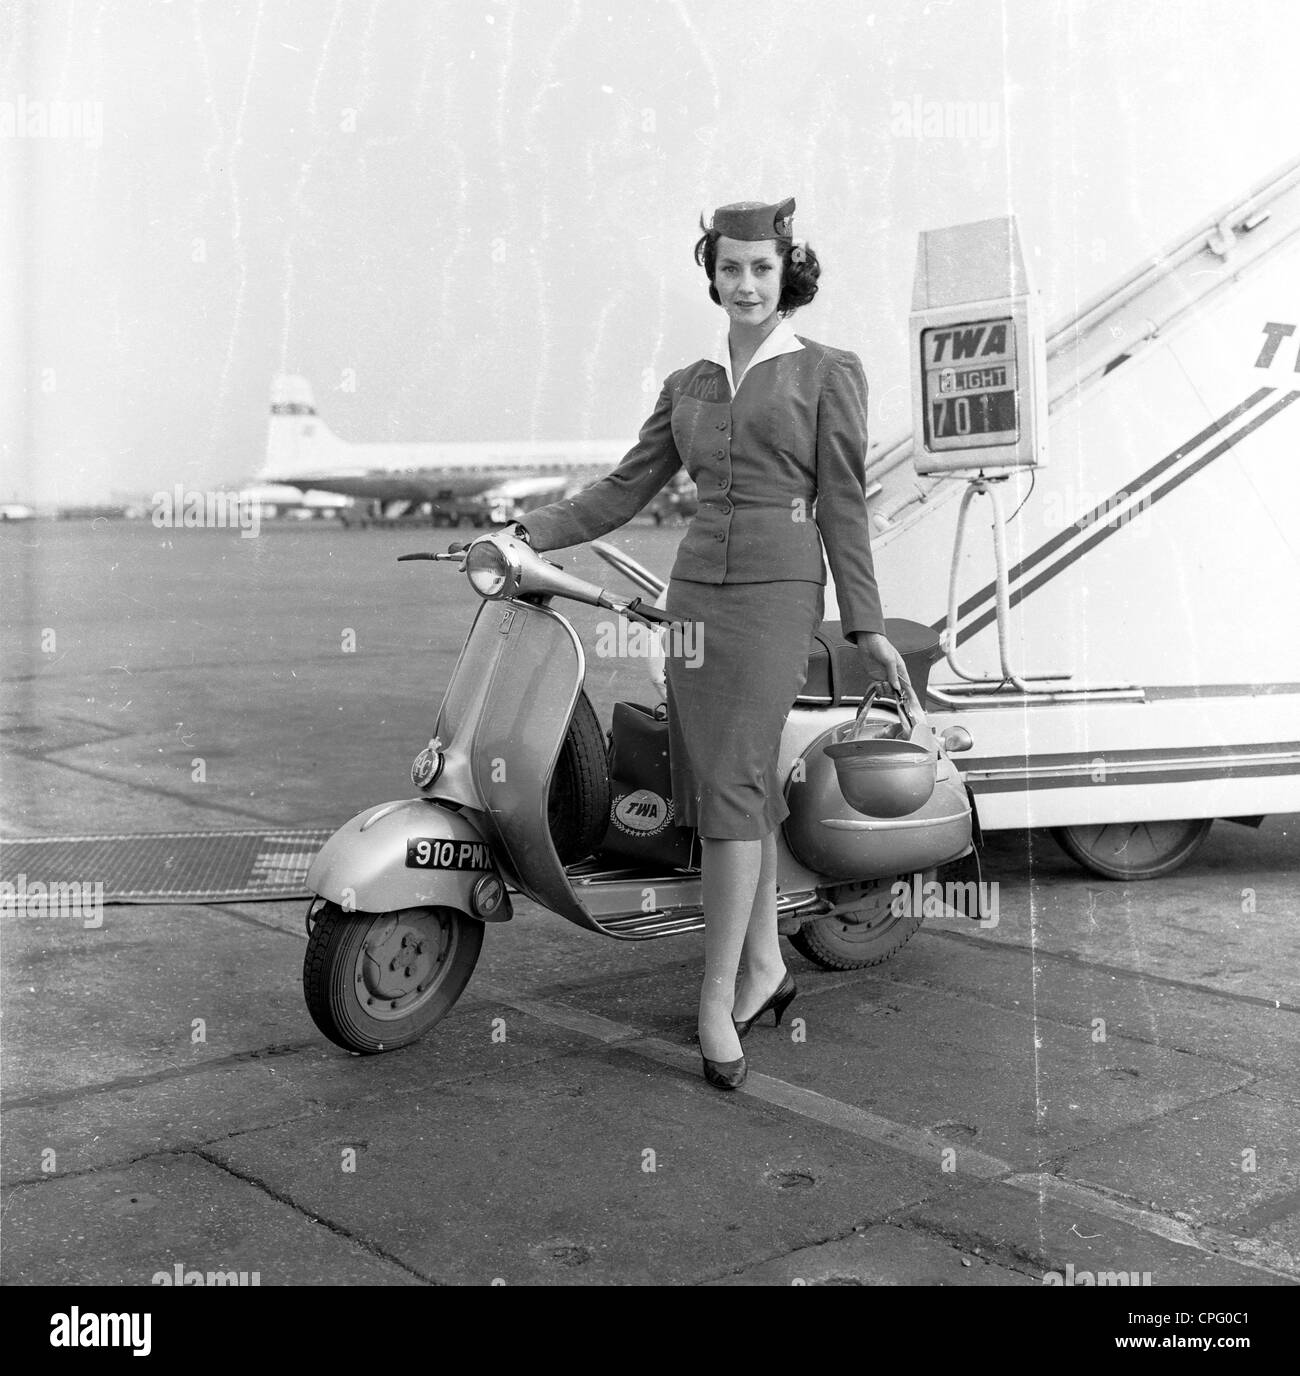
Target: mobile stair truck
[1121,498]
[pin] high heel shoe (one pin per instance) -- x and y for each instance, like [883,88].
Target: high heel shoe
[778,1003]
[725,1074]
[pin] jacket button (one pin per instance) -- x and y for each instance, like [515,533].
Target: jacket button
[719,536]
[722,425]
[726,506]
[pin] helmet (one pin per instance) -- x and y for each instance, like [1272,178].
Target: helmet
[879,774]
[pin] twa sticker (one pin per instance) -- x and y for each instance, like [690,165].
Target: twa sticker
[643,813]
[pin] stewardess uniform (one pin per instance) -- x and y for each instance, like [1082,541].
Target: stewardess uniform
[778,460]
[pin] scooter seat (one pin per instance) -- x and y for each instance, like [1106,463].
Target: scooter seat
[837,675]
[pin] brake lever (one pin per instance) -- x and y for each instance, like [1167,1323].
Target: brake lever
[454,553]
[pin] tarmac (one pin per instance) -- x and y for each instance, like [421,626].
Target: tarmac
[1105,1081]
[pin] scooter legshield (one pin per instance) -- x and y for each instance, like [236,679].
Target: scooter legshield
[405,854]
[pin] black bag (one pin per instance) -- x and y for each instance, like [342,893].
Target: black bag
[837,675]
[642,817]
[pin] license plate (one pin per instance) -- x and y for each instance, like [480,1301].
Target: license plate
[435,853]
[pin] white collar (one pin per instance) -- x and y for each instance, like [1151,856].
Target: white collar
[782,340]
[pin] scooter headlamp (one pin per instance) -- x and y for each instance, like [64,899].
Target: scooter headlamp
[488,569]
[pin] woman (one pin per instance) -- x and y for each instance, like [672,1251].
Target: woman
[771,425]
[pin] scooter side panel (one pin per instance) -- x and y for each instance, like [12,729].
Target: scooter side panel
[364,866]
[530,665]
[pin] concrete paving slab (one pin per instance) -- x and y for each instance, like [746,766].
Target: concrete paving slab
[1282,1234]
[883,1255]
[1284,1090]
[142,981]
[1226,919]
[1208,1163]
[544,1177]
[1041,1234]
[992,1079]
[103,1125]
[1232,1029]
[123,1227]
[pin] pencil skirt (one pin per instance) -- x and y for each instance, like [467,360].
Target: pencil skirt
[732,677]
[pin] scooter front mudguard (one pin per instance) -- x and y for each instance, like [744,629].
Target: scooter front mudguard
[406,854]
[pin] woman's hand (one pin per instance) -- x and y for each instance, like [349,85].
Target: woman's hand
[884,663]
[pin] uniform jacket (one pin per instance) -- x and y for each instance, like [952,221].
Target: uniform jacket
[775,463]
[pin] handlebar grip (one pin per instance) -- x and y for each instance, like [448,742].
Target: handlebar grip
[640,608]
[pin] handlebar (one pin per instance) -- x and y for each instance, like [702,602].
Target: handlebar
[528,574]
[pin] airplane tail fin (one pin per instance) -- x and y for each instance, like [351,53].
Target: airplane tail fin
[298,442]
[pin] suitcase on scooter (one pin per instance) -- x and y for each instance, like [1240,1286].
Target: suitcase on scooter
[642,826]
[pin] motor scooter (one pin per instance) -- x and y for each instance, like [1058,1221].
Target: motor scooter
[514,796]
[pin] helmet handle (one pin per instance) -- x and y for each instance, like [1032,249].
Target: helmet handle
[899,700]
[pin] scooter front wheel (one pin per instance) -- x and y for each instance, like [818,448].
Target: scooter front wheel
[377,981]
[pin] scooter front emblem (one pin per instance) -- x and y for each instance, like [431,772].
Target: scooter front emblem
[427,765]
[507,619]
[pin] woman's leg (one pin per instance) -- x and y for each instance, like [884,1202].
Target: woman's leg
[761,953]
[730,872]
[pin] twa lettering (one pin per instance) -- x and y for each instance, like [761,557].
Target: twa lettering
[703,388]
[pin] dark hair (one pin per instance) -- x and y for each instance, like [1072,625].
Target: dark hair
[798,280]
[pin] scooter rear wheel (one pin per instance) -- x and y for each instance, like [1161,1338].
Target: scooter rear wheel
[865,935]
[376,981]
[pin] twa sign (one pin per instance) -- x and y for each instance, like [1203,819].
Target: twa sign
[978,359]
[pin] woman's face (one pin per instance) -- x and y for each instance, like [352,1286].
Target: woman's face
[748,279]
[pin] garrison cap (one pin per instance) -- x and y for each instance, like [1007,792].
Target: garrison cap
[752,220]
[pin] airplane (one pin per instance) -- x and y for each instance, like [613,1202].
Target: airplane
[481,481]
[284,500]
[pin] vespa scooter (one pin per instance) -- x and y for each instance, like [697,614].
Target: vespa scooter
[514,795]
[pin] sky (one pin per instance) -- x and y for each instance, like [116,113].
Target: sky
[473,220]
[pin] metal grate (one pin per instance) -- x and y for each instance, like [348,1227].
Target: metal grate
[171,866]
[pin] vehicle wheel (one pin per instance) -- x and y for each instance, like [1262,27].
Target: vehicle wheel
[578,806]
[377,981]
[863,936]
[1133,850]
[868,934]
